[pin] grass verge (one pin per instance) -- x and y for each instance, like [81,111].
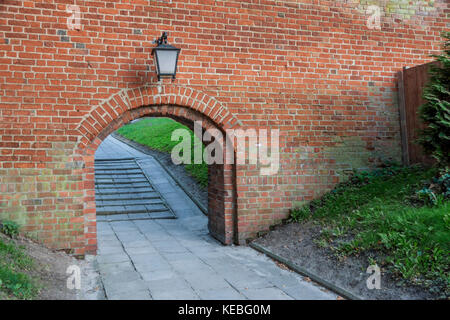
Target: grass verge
[15,283]
[156,133]
[377,214]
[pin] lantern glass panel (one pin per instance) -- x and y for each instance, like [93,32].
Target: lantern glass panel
[167,61]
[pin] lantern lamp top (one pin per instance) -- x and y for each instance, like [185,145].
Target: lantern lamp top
[163,44]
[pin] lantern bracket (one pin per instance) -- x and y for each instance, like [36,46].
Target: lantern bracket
[162,39]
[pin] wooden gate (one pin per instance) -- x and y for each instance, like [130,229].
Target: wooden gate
[411,82]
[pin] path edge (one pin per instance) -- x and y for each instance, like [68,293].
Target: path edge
[304,272]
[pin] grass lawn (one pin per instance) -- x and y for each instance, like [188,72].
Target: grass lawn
[15,283]
[378,214]
[156,133]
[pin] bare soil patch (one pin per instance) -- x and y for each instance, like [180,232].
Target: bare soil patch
[295,242]
[49,271]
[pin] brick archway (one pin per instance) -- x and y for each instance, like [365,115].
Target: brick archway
[182,104]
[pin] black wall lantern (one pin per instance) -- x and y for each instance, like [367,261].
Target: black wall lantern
[166,58]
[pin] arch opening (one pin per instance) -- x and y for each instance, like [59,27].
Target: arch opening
[222,217]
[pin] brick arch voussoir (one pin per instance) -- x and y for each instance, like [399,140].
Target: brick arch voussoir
[169,100]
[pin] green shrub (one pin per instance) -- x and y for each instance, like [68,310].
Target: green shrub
[10,228]
[300,214]
[435,112]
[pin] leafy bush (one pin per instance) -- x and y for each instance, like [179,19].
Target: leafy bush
[435,138]
[10,228]
[300,214]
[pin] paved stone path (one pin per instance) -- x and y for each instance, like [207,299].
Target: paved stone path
[177,259]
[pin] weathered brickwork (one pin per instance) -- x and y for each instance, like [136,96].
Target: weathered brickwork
[312,69]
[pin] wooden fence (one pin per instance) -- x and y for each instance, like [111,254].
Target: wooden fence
[411,82]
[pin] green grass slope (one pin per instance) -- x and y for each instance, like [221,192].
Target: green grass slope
[156,133]
[379,214]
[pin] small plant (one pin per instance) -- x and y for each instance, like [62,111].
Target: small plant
[300,214]
[347,248]
[427,196]
[10,228]
[436,191]
[372,261]
[338,231]
[321,243]
[443,183]
[387,169]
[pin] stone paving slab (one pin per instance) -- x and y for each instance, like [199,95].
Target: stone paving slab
[266,294]
[223,294]
[178,259]
[188,294]
[130,295]
[159,275]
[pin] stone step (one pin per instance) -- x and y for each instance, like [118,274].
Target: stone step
[136,216]
[118,173]
[121,181]
[122,189]
[107,210]
[131,202]
[129,196]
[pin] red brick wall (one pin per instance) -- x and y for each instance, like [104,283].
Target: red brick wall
[310,68]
